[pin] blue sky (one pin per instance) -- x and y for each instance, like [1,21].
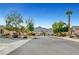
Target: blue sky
[44,14]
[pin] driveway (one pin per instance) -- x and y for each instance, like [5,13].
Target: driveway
[48,46]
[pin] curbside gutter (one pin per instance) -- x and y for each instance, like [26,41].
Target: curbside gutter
[12,46]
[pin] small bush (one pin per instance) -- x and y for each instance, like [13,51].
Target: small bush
[71,36]
[25,37]
[63,34]
[6,35]
[15,35]
[31,34]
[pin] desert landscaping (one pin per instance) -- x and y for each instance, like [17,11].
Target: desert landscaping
[41,34]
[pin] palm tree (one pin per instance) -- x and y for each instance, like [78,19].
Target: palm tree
[69,13]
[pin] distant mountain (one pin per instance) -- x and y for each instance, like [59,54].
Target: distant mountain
[40,29]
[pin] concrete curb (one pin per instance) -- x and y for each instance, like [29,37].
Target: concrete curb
[71,39]
[12,46]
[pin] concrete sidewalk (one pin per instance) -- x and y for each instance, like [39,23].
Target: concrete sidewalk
[7,48]
[71,39]
[2,47]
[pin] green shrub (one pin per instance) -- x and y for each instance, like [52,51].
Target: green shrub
[31,34]
[15,35]
[63,34]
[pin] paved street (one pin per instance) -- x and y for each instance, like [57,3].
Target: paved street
[48,46]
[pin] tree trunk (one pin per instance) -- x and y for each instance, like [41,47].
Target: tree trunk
[69,33]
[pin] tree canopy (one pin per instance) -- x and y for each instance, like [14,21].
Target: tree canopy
[13,20]
[59,27]
[30,24]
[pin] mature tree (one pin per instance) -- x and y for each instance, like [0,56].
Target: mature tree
[60,26]
[24,29]
[13,20]
[69,13]
[30,24]
[65,28]
[55,27]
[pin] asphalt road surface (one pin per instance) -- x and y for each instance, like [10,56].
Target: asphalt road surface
[48,46]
